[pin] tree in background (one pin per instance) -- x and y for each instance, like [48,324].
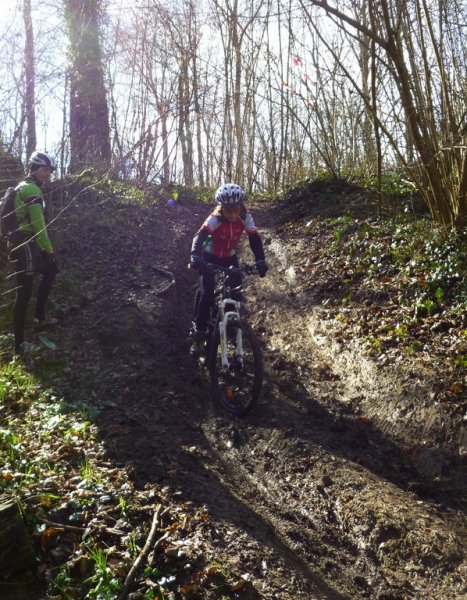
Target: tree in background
[265,92]
[89,116]
[425,58]
[145,100]
[30,76]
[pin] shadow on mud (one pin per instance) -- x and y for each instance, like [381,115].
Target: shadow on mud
[356,439]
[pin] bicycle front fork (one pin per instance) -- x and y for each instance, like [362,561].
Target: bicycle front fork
[232,313]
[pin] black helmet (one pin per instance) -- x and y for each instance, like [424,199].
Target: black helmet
[230,194]
[41,159]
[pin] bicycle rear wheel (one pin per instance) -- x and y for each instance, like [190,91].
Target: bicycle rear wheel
[237,387]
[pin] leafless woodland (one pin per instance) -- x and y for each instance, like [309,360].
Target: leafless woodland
[266,93]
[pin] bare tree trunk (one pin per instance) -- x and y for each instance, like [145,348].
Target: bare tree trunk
[270,146]
[237,142]
[89,115]
[165,144]
[199,141]
[367,62]
[193,50]
[227,142]
[283,112]
[184,126]
[374,110]
[30,76]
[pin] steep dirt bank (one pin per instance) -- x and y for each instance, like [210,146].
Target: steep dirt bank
[366,447]
[398,398]
[345,482]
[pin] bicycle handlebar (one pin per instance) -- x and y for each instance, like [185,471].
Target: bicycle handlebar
[212,268]
[246,269]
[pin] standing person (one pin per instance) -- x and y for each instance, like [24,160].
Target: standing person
[31,251]
[216,243]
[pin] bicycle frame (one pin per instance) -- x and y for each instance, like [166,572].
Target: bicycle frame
[232,352]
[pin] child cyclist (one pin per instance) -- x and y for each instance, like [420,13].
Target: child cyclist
[216,243]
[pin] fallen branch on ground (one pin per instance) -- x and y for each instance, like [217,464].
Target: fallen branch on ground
[145,551]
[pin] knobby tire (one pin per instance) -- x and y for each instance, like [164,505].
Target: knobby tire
[236,390]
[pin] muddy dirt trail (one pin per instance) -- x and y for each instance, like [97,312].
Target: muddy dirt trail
[327,489]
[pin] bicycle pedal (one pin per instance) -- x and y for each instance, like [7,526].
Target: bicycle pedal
[196,349]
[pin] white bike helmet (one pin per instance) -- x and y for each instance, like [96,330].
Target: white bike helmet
[41,159]
[230,194]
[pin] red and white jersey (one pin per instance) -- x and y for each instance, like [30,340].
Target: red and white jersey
[225,235]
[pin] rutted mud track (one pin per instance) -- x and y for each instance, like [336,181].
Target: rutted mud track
[312,496]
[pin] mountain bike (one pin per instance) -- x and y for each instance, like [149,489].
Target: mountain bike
[232,351]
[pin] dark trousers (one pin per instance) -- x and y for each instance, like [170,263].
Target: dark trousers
[27,262]
[208,281]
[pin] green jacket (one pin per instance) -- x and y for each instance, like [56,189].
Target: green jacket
[29,205]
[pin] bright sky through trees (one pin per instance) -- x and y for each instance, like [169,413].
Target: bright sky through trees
[263,91]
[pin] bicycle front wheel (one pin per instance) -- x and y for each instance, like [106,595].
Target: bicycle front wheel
[236,387]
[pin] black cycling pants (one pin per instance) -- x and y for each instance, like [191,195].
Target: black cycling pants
[28,261]
[208,283]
